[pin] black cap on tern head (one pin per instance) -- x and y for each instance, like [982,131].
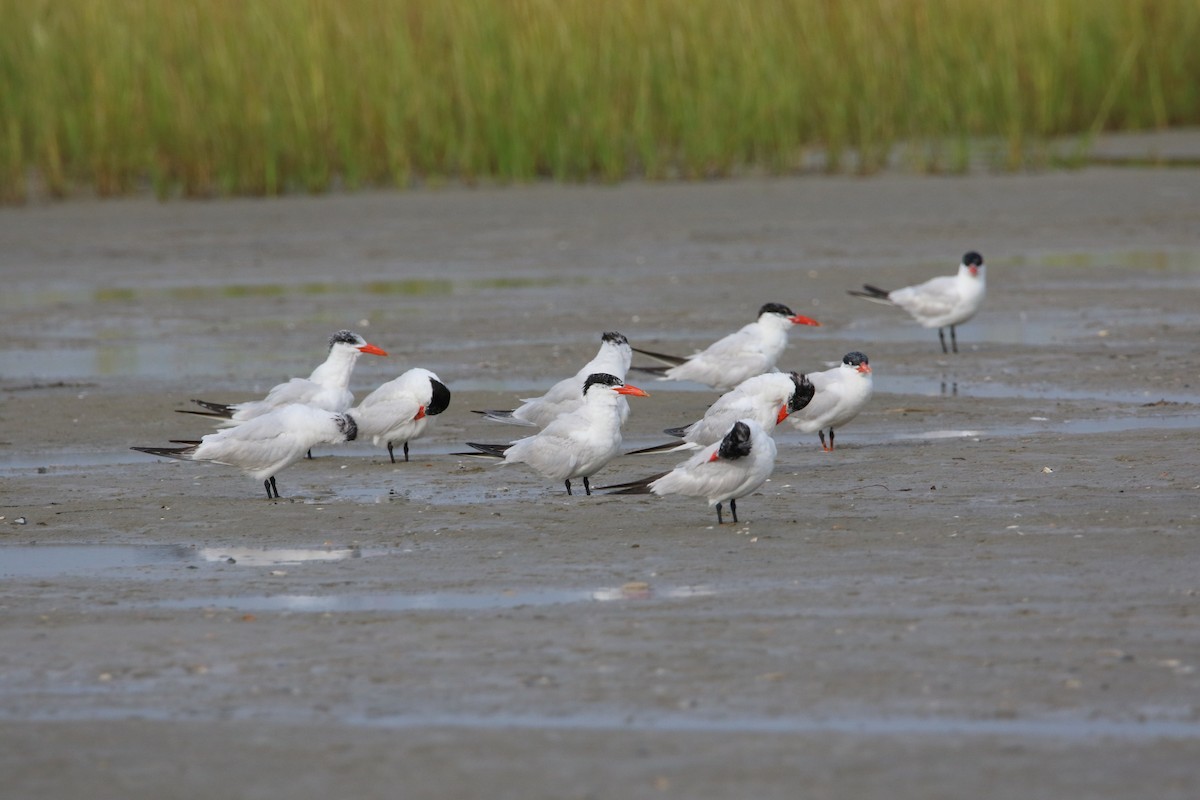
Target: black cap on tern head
[440,400]
[346,337]
[803,394]
[614,338]
[348,426]
[972,259]
[855,359]
[776,308]
[603,379]
[736,443]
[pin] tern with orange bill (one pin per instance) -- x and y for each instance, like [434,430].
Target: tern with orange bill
[749,351]
[576,444]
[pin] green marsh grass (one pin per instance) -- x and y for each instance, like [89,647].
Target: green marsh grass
[204,97]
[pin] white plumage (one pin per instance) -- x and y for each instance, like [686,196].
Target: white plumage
[749,351]
[400,410]
[839,395]
[566,396]
[328,386]
[945,301]
[577,444]
[724,471]
[268,443]
[767,399]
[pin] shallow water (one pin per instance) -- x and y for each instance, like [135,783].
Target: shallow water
[441,601]
[117,561]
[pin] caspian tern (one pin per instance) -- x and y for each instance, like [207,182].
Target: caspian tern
[566,396]
[268,443]
[576,444]
[399,410]
[327,387]
[743,354]
[840,394]
[767,399]
[725,470]
[945,301]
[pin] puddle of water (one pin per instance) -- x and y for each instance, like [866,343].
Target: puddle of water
[45,560]
[270,557]
[439,601]
[1062,728]
[948,384]
[1072,729]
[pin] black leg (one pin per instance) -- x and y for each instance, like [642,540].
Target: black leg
[831,438]
[269,483]
[391,455]
[822,435]
[719,520]
[267,486]
[733,508]
[310,452]
[406,451]
[587,487]
[954,338]
[568,482]
[942,337]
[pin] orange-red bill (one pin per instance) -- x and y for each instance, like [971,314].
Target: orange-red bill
[783,413]
[420,413]
[634,391]
[372,350]
[864,368]
[800,319]
[713,457]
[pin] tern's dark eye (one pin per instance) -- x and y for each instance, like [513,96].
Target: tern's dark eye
[855,359]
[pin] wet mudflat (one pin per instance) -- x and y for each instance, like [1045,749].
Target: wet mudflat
[990,588]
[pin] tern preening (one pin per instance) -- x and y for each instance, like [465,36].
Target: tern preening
[268,443]
[943,302]
[399,410]
[767,399]
[750,351]
[840,393]
[576,444]
[726,470]
[567,395]
[328,386]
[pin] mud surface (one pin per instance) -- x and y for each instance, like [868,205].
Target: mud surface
[990,589]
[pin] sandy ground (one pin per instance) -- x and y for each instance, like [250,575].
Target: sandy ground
[989,590]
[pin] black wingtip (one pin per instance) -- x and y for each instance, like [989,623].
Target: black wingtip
[658,448]
[166,452]
[870,292]
[666,358]
[493,450]
[640,486]
[217,409]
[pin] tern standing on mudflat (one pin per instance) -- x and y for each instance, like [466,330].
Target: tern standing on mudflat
[328,386]
[575,445]
[566,396]
[767,399]
[747,352]
[726,470]
[268,443]
[945,301]
[400,410]
[840,393]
